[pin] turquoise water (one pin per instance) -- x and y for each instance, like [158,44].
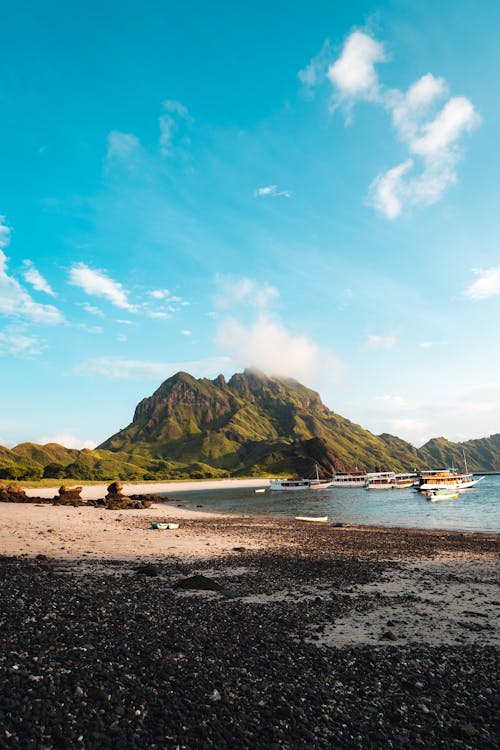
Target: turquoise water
[477,509]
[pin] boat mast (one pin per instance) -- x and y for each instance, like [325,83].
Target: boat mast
[465,461]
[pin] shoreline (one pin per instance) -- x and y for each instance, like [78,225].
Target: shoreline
[95,491]
[71,532]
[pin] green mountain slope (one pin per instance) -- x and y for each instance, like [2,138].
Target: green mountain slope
[251,425]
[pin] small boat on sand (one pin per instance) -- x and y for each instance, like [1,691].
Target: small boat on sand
[316,519]
[163,526]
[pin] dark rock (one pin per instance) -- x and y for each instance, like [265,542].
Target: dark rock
[199,582]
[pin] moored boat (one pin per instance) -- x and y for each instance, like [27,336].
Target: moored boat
[449,479]
[441,494]
[313,519]
[292,485]
[402,481]
[352,479]
[380,480]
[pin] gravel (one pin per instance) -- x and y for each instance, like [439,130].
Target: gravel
[102,654]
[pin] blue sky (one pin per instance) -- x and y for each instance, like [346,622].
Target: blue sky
[311,190]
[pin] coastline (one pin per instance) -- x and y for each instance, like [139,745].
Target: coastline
[375,629]
[95,491]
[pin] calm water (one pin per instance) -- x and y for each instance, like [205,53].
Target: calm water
[477,509]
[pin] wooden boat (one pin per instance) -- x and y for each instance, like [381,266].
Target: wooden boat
[449,479]
[317,519]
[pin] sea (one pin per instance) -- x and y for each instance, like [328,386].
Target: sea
[477,509]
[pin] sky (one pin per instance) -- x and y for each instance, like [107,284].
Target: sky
[309,189]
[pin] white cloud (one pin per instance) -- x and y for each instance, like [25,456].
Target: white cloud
[409,109]
[4,236]
[426,344]
[14,299]
[432,137]
[353,73]
[237,290]
[15,343]
[97,283]
[67,440]
[486,285]
[161,315]
[35,278]
[134,369]
[315,73]
[266,344]
[388,190]
[271,191]
[379,342]
[169,123]
[456,117]
[186,333]
[123,146]
[159,293]
[93,310]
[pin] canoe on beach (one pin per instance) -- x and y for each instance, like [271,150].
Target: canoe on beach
[317,519]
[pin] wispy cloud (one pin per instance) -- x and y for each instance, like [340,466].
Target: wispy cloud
[99,284]
[271,191]
[123,146]
[5,232]
[15,343]
[135,369]
[486,285]
[265,342]
[174,113]
[379,342]
[67,440]
[236,290]
[35,278]
[15,301]
[93,310]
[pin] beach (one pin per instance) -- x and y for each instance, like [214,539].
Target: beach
[290,635]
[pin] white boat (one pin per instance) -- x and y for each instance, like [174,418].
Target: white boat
[292,485]
[380,480]
[317,519]
[449,479]
[441,494]
[354,479]
[402,481]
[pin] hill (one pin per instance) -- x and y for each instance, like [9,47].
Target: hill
[251,425]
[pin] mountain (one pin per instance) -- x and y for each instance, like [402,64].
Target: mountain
[251,425]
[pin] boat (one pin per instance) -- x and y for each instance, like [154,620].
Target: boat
[353,479]
[262,489]
[449,479]
[292,485]
[380,480]
[402,481]
[317,519]
[163,526]
[441,494]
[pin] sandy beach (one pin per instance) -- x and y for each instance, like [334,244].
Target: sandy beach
[291,635]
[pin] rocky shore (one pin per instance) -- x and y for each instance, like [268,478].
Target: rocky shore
[273,634]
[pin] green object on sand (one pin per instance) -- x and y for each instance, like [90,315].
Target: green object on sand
[162,526]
